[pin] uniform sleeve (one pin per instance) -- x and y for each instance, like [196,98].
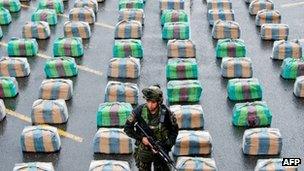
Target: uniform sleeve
[129,128]
[172,128]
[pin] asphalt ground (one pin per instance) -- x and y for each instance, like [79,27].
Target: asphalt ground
[77,152]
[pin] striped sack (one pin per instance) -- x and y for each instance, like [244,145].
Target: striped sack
[176,30]
[85,14]
[173,16]
[236,67]
[131,4]
[251,114]
[128,47]
[195,164]
[22,47]
[273,164]
[37,30]
[124,68]
[188,116]
[40,138]
[14,67]
[53,89]
[2,110]
[60,67]
[56,5]
[68,46]
[128,29]
[49,112]
[172,4]
[5,16]
[292,68]
[192,143]
[298,89]
[286,49]
[11,5]
[45,166]
[121,92]
[132,14]
[267,16]
[184,91]
[93,4]
[221,14]
[262,141]
[113,114]
[181,49]
[257,5]
[112,141]
[226,29]
[230,48]
[244,89]
[219,4]
[274,31]
[8,87]
[181,68]
[107,165]
[47,15]
[77,29]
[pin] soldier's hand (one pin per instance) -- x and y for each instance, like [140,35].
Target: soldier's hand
[146,142]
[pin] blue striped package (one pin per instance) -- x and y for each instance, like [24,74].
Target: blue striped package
[112,141]
[77,29]
[219,4]
[93,4]
[262,141]
[236,67]
[121,92]
[221,14]
[298,88]
[195,164]
[36,29]
[41,138]
[171,4]
[34,166]
[274,31]
[273,164]
[49,112]
[124,68]
[14,67]
[181,49]
[2,110]
[52,89]
[108,165]
[286,49]
[226,29]
[128,29]
[267,16]
[257,5]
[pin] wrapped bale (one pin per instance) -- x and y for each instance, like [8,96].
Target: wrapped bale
[221,14]
[128,47]
[251,114]
[230,48]
[292,68]
[273,164]
[5,16]
[121,92]
[172,4]
[195,164]
[188,116]
[56,5]
[244,89]
[68,46]
[267,16]
[53,89]
[8,87]
[173,16]
[77,29]
[47,15]
[192,143]
[181,68]
[262,141]
[22,47]
[41,138]
[176,30]
[93,4]
[2,110]
[85,14]
[298,89]
[132,14]
[219,4]
[104,165]
[60,67]
[131,4]
[286,49]
[236,67]
[124,68]
[11,5]
[49,112]
[113,114]
[37,30]
[181,49]
[39,166]
[128,29]
[14,67]
[184,91]
[226,29]
[112,141]
[257,5]
[274,31]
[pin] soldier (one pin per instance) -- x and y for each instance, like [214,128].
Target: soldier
[161,122]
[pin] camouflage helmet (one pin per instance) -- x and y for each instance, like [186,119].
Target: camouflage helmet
[153,93]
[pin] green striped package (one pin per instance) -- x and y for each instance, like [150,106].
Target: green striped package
[5,16]
[244,89]
[128,48]
[60,67]
[57,5]
[68,46]
[129,4]
[181,68]
[11,5]
[174,16]
[230,48]
[184,91]
[47,15]
[176,30]
[8,87]
[22,47]
[292,68]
